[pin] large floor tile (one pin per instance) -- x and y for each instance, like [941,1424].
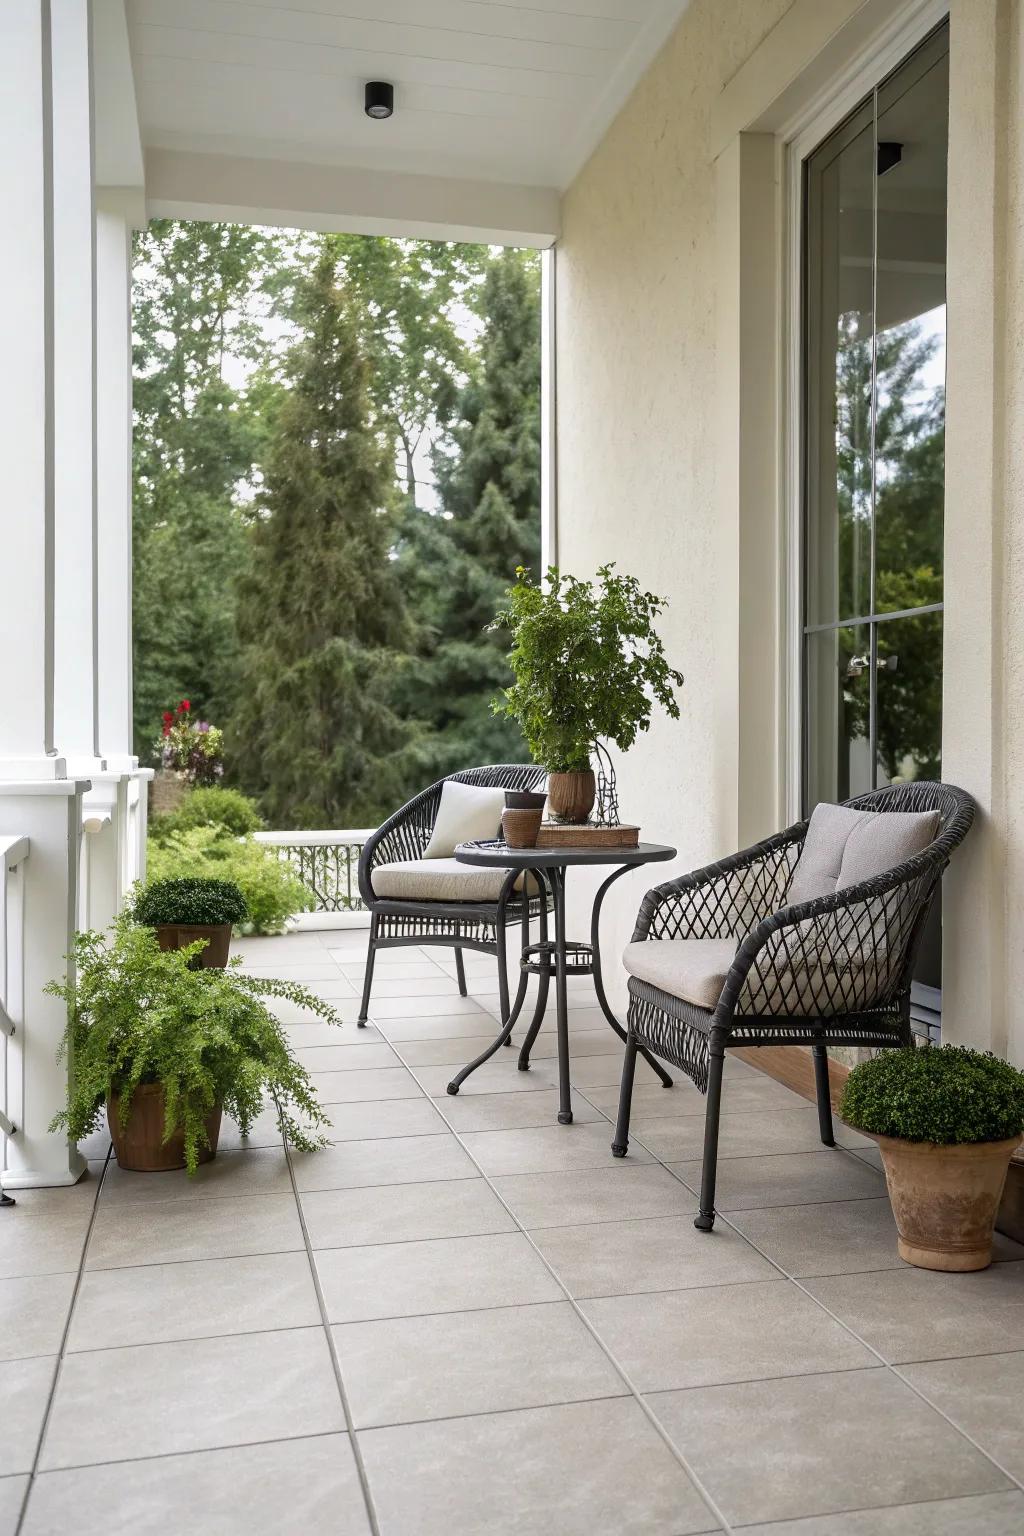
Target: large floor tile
[499,1075]
[985,1397]
[511,1111]
[815,1445]
[309,1486]
[161,1232]
[442,1026]
[451,1363]
[12,1494]
[25,1387]
[625,1258]
[397,1213]
[347,1058]
[154,1399]
[984,1514]
[259,1171]
[377,1119]
[595,1194]
[697,1338]
[305,971]
[916,1314]
[263,1132]
[376,1083]
[651,1101]
[162,1302]
[436,984]
[33,1314]
[579,1469]
[790,1178]
[384,1008]
[452,1052]
[545,1148]
[743,1133]
[399,1160]
[311,1035]
[450,1274]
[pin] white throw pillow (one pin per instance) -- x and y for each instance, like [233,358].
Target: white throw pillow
[467,812]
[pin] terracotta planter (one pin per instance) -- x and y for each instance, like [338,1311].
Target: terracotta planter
[140,1147]
[571,795]
[945,1198]
[218,935]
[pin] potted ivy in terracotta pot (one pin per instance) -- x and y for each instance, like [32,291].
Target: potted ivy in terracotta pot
[186,910]
[587,663]
[946,1120]
[165,1047]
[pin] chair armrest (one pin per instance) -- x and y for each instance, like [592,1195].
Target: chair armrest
[723,900]
[846,953]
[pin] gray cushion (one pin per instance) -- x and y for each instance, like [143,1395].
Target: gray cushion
[844,846]
[693,969]
[438,880]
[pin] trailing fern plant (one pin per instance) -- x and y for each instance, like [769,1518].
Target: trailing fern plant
[138,1014]
[946,1094]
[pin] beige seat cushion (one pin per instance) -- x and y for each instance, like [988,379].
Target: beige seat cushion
[438,880]
[844,846]
[693,969]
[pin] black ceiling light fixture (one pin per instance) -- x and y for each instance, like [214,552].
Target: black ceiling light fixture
[379,100]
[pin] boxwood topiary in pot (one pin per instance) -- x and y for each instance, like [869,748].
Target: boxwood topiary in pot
[946,1120]
[182,911]
[166,1047]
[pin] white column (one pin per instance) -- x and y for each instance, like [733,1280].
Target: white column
[114,464]
[76,727]
[26,395]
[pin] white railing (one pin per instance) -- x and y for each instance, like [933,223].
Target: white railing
[13,853]
[327,863]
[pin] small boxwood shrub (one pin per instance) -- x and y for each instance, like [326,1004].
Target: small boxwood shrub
[273,892]
[190,901]
[947,1094]
[213,807]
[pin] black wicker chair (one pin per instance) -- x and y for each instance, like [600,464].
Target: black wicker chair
[832,971]
[457,924]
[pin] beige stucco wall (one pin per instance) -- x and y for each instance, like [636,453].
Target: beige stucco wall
[645,303]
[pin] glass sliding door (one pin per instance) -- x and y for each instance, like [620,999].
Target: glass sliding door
[874,414]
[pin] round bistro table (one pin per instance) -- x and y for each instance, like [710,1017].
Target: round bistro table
[558,957]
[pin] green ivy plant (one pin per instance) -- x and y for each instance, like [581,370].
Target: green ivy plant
[587,662]
[138,1014]
[946,1094]
[191,901]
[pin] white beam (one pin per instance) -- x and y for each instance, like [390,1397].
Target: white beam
[181,185]
[118,141]
[26,395]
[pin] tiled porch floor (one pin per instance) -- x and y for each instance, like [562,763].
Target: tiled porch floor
[463,1318]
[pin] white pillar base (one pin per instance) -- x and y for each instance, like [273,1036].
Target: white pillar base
[49,814]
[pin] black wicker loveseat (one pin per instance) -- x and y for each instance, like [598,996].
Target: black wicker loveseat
[460,924]
[834,970]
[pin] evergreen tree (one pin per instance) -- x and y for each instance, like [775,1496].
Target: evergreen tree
[456,567]
[321,616]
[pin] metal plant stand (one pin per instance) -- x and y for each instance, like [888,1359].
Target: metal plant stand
[558,957]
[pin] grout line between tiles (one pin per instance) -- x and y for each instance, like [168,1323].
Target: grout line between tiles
[881,1509]
[62,1351]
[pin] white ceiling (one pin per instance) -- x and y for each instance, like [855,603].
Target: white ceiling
[485,90]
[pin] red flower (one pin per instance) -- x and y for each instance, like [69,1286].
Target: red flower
[167,730]
[167,717]
[184,707]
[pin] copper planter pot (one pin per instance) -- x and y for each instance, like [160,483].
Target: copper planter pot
[571,795]
[945,1199]
[139,1146]
[217,935]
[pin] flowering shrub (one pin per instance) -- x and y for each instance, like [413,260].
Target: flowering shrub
[193,748]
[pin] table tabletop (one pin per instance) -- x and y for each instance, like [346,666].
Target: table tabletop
[495,854]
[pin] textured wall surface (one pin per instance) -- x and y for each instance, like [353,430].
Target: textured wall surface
[636,420]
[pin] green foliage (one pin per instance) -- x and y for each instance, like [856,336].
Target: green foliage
[315,735]
[138,1015]
[455,566]
[587,663]
[272,892]
[214,807]
[190,900]
[946,1094]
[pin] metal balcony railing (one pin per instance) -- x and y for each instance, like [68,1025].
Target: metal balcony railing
[327,863]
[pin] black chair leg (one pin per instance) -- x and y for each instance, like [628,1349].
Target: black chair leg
[460,970]
[620,1146]
[825,1125]
[371,955]
[705,1218]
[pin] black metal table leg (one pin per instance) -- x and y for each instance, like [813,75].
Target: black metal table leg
[5,1199]
[561,998]
[543,979]
[509,1015]
[595,946]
